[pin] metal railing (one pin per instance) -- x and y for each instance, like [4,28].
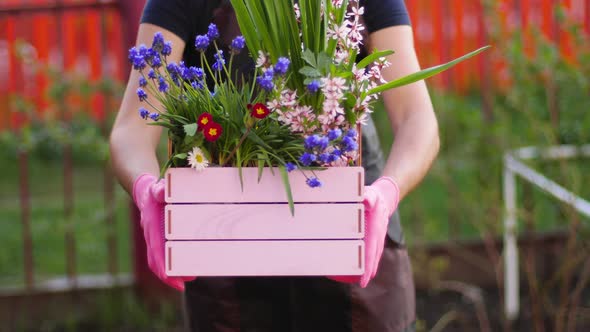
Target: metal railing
[513,167]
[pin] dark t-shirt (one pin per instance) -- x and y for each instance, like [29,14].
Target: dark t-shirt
[189,18]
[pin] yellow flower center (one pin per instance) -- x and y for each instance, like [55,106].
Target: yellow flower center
[213,131]
[204,121]
[260,111]
[199,158]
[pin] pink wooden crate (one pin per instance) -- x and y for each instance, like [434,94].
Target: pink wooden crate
[222,185]
[265,258]
[216,228]
[264,221]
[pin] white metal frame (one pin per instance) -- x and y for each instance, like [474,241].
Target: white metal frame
[514,166]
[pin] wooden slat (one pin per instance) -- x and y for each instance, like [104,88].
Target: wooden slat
[264,258]
[263,221]
[222,185]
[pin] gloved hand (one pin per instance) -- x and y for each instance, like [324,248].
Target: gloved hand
[148,195]
[380,200]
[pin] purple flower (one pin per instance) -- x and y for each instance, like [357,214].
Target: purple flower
[142,82]
[193,73]
[197,85]
[155,116]
[265,82]
[213,32]
[351,133]
[323,143]
[167,49]
[312,141]
[143,113]
[325,157]
[314,86]
[162,85]
[158,43]
[141,94]
[220,61]
[314,182]
[335,155]
[348,144]
[137,58]
[282,66]
[290,167]
[238,44]
[156,62]
[307,158]
[202,43]
[334,134]
[152,74]
[269,73]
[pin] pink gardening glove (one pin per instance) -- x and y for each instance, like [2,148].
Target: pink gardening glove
[148,195]
[381,200]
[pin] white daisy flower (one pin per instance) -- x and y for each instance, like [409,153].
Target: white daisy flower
[197,159]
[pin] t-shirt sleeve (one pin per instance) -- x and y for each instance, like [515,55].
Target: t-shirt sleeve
[172,15]
[380,14]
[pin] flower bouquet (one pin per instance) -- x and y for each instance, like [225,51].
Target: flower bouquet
[288,135]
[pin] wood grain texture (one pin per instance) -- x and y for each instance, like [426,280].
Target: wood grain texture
[264,221]
[222,185]
[265,258]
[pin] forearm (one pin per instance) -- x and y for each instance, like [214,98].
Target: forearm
[414,149]
[131,156]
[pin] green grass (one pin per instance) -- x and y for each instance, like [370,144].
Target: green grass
[48,222]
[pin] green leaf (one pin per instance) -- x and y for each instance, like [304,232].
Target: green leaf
[309,57]
[190,129]
[180,156]
[324,63]
[287,184]
[372,57]
[424,74]
[309,72]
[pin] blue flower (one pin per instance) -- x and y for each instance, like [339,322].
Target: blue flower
[143,113]
[196,73]
[265,82]
[269,73]
[141,94]
[162,85]
[142,82]
[348,144]
[282,66]
[220,61]
[314,86]
[137,58]
[202,43]
[213,32]
[155,116]
[351,133]
[173,69]
[152,74]
[156,62]
[307,158]
[197,85]
[334,134]
[238,44]
[314,182]
[335,155]
[323,143]
[158,43]
[325,157]
[167,49]
[290,167]
[311,142]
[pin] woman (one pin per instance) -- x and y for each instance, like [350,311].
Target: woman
[289,303]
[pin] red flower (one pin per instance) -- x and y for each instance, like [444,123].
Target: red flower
[212,131]
[204,120]
[260,111]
